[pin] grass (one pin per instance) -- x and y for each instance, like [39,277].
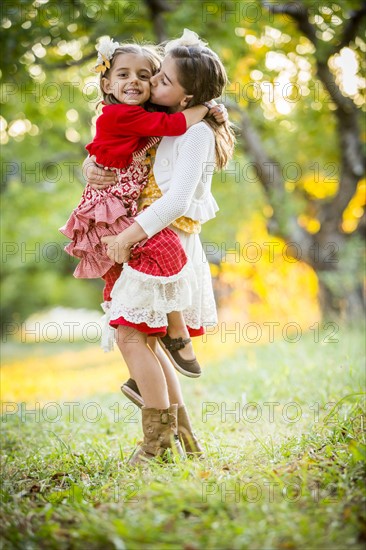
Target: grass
[283,428]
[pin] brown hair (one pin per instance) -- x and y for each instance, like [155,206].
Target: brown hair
[149,52]
[201,74]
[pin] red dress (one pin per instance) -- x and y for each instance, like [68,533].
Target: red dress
[111,210]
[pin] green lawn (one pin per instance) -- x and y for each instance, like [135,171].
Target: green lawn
[283,427]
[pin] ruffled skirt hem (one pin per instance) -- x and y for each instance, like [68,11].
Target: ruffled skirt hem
[136,290]
[109,325]
[86,226]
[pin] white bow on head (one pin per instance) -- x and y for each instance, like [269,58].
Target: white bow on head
[106,47]
[188,38]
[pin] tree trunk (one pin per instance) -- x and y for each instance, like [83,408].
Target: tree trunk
[157,8]
[329,252]
[340,305]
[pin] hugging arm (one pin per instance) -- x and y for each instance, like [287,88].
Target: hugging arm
[190,166]
[138,122]
[192,163]
[96,176]
[99,178]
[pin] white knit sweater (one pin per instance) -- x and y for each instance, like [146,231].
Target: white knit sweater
[183,171]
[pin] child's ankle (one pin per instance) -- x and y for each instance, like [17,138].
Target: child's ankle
[178,331]
[176,324]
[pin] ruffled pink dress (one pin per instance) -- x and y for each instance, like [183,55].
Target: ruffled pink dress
[105,212]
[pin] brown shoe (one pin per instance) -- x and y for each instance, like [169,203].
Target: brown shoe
[131,391]
[187,437]
[171,346]
[160,436]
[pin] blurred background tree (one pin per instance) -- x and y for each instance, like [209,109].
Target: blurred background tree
[296,74]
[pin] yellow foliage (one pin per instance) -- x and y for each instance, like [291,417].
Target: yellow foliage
[267,282]
[69,375]
[73,375]
[320,185]
[214,269]
[289,186]
[267,211]
[355,208]
[312,225]
[226,54]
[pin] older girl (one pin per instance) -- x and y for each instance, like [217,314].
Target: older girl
[190,74]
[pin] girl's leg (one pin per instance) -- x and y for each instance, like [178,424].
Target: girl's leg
[176,329]
[172,381]
[144,367]
[186,435]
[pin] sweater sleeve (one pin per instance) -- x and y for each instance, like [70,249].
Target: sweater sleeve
[135,121]
[189,168]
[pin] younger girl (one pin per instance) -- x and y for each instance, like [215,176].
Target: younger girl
[121,143]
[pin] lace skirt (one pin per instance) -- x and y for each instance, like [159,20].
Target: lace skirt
[140,301]
[202,311]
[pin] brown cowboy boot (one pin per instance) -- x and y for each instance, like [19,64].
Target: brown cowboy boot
[160,435]
[186,435]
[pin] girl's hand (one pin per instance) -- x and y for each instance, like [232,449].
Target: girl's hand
[117,249]
[97,177]
[220,114]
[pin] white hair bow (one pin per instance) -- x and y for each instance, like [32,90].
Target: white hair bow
[105,48]
[188,38]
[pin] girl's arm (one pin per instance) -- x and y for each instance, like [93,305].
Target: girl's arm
[191,165]
[194,163]
[195,114]
[135,121]
[119,246]
[99,178]
[192,115]
[219,112]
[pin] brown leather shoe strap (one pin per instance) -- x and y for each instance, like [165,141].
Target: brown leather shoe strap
[175,344]
[162,417]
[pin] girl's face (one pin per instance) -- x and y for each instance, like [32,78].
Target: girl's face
[129,79]
[165,87]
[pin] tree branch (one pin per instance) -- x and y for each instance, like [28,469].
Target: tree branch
[71,63]
[282,222]
[267,168]
[350,30]
[299,13]
[352,160]
[343,103]
[157,8]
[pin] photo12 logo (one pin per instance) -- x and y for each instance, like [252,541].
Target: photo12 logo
[51,14]
[271,331]
[246,12]
[267,491]
[68,411]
